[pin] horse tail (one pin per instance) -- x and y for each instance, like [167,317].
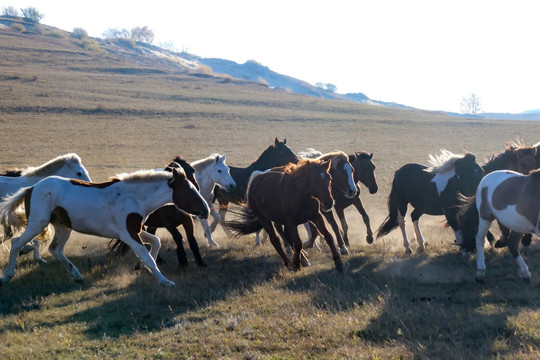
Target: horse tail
[118,247]
[391,221]
[248,223]
[468,219]
[11,212]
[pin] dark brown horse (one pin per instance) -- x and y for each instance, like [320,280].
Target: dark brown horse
[169,217]
[364,172]
[278,154]
[289,196]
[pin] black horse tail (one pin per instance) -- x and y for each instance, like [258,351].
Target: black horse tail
[468,219]
[391,221]
[118,247]
[248,223]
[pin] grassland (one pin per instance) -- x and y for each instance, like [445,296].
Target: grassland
[121,115]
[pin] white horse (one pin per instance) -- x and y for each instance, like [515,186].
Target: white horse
[209,172]
[68,166]
[114,209]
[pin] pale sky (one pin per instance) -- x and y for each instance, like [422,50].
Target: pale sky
[425,54]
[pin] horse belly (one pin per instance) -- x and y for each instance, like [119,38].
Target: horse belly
[511,219]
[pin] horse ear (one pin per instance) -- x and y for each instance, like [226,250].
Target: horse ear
[370,156]
[285,141]
[276,142]
[223,157]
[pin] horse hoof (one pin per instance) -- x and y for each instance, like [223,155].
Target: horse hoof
[526,240]
[79,281]
[369,239]
[213,244]
[307,245]
[480,276]
[42,261]
[343,250]
[408,251]
[500,244]
[420,249]
[340,268]
[305,262]
[26,249]
[527,280]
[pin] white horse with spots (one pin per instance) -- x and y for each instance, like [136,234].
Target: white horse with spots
[209,172]
[68,166]
[114,209]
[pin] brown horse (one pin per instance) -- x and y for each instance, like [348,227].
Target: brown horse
[364,172]
[289,196]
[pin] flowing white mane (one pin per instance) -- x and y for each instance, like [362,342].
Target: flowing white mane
[145,176]
[52,166]
[443,162]
[200,165]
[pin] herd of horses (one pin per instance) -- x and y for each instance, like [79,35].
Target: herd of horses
[276,193]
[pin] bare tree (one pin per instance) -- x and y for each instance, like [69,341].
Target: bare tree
[10,11]
[143,34]
[32,14]
[471,105]
[116,33]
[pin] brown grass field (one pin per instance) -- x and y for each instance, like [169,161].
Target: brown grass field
[121,115]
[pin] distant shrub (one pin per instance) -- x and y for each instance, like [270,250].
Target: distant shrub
[205,69]
[142,34]
[90,44]
[116,34]
[10,11]
[132,44]
[18,27]
[260,80]
[56,33]
[79,33]
[32,14]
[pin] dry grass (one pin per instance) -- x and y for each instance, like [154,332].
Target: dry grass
[122,116]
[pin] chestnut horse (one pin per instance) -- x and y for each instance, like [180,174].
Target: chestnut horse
[289,196]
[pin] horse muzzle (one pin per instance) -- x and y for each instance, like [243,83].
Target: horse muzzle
[373,189]
[231,187]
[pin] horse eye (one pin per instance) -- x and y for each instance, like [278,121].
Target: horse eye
[219,171]
[79,173]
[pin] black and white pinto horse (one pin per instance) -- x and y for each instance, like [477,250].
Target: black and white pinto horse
[430,190]
[511,198]
[114,209]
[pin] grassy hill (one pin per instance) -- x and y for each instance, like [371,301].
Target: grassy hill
[122,111]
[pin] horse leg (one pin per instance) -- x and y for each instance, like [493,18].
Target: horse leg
[33,229]
[193,245]
[291,233]
[152,230]
[401,223]
[286,241]
[208,233]
[329,215]
[360,207]
[154,241]
[56,248]
[312,234]
[513,246]
[483,227]
[321,226]
[267,225]
[340,212]
[36,247]
[216,218]
[222,211]
[415,216]
[505,236]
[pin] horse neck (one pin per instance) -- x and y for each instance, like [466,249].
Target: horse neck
[150,195]
[204,178]
[503,161]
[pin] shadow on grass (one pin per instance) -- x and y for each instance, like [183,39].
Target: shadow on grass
[432,305]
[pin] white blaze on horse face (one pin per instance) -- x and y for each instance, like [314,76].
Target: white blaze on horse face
[349,170]
[441,180]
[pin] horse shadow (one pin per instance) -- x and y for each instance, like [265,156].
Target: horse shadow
[425,303]
[140,306]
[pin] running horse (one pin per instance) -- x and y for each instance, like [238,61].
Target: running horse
[430,190]
[67,165]
[511,198]
[289,196]
[113,209]
[278,154]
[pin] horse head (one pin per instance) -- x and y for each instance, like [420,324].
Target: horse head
[364,170]
[73,168]
[179,162]
[221,175]
[525,159]
[343,174]
[320,182]
[468,173]
[185,196]
[281,154]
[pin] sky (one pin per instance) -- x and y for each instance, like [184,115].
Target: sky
[425,54]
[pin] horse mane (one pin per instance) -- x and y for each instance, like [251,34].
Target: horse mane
[144,176]
[177,159]
[363,155]
[52,166]
[443,162]
[202,164]
[502,157]
[337,157]
[12,173]
[300,166]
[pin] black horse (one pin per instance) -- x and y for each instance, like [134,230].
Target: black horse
[275,155]
[431,190]
[169,217]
